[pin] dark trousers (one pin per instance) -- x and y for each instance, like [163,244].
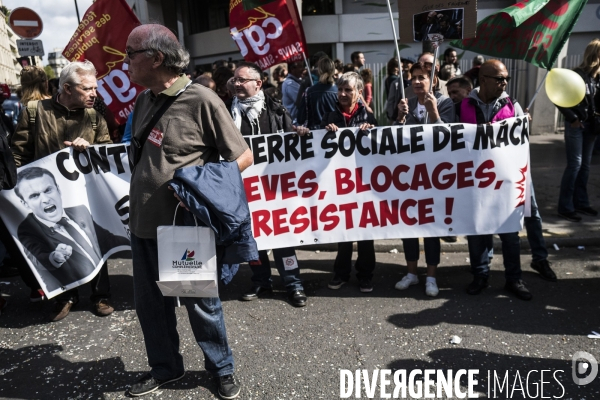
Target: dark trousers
[365,262]
[17,257]
[261,273]
[432,249]
[100,287]
[479,253]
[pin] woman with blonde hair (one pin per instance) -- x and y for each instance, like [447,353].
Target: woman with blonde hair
[579,140]
[34,84]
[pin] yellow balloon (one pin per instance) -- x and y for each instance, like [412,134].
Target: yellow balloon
[564,87]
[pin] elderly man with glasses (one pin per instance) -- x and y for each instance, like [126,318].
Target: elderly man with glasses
[255,113]
[195,129]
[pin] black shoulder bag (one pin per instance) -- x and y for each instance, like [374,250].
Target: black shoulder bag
[138,144]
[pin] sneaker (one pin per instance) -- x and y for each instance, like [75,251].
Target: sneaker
[148,384]
[407,281]
[337,282]
[543,267]
[61,310]
[431,289]
[2,304]
[228,387]
[37,295]
[103,308]
[587,211]
[365,286]
[518,288]
[570,216]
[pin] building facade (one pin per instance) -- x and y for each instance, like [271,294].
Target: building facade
[9,67]
[57,61]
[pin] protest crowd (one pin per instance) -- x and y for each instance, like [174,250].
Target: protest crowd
[219,109]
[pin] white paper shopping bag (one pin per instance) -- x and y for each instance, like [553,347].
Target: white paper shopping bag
[187,261]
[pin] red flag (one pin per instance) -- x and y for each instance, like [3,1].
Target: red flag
[269,34]
[101,38]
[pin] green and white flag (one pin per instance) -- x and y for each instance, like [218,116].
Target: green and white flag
[531,30]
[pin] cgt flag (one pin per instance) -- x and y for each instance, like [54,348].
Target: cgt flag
[531,30]
[100,38]
[267,32]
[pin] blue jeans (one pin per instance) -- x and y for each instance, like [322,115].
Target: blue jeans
[261,273]
[479,253]
[573,188]
[533,226]
[159,322]
[432,249]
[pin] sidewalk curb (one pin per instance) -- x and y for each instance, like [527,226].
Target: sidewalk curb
[385,246]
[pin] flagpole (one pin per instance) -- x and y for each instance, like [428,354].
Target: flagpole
[538,90]
[400,78]
[308,68]
[435,56]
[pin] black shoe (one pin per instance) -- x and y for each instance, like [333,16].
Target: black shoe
[449,239]
[337,282]
[148,384]
[570,216]
[518,288]
[298,298]
[228,387]
[365,285]
[543,267]
[479,283]
[587,211]
[255,292]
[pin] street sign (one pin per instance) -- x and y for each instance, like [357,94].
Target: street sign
[30,48]
[25,22]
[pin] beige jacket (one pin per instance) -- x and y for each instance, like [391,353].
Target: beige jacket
[54,124]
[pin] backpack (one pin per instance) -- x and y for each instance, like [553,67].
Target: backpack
[8,168]
[32,111]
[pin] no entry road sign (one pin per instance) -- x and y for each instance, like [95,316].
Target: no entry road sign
[25,22]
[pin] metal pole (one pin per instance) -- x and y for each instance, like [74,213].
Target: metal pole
[308,68]
[538,90]
[77,11]
[400,78]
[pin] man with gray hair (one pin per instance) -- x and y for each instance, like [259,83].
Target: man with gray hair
[47,126]
[195,129]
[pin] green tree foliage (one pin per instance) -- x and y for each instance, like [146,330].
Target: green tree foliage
[49,72]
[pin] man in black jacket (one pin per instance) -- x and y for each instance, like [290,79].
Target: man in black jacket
[255,114]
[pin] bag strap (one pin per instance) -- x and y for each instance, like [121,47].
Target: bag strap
[175,215]
[138,144]
[32,111]
[94,117]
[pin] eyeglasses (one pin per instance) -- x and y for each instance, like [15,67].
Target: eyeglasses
[242,81]
[130,53]
[499,79]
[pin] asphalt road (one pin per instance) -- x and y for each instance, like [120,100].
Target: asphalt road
[286,353]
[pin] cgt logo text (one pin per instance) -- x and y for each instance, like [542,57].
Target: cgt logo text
[437,384]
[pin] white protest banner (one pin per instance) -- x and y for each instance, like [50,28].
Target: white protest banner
[390,182]
[69,213]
